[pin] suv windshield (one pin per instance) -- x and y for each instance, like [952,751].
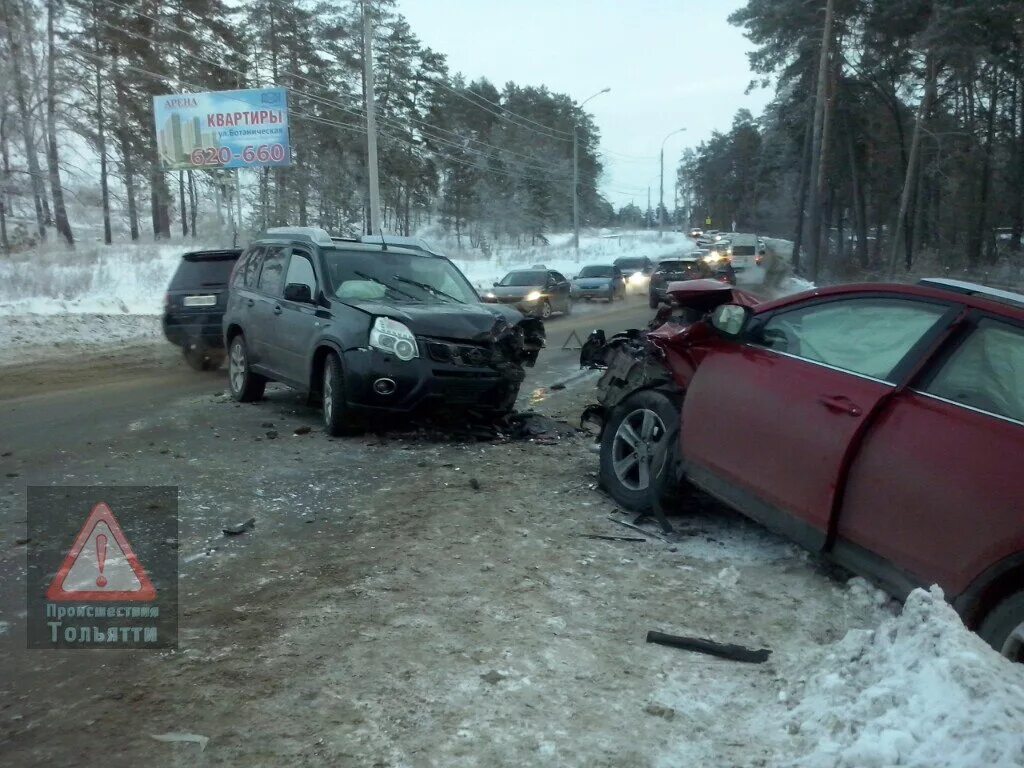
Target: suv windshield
[524,278]
[675,266]
[597,272]
[374,275]
[629,265]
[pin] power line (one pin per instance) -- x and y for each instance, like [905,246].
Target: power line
[310,118]
[324,100]
[549,133]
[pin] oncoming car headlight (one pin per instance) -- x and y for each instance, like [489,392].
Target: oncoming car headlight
[637,277]
[532,296]
[392,336]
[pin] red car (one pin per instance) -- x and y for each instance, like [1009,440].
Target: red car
[879,425]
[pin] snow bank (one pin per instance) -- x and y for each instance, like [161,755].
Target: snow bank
[132,279]
[95,280]
[918,691]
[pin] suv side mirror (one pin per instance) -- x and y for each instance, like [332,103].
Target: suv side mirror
[730,320]
[298,292]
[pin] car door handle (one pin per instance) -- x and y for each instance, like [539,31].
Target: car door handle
[277,309]
[840,404]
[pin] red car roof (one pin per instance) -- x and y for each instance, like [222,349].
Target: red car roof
[974,295]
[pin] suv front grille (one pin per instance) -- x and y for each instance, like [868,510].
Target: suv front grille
[453,353]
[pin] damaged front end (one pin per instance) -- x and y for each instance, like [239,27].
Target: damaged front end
[661,357]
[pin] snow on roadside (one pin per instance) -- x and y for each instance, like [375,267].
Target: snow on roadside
[30,337]
[920,690]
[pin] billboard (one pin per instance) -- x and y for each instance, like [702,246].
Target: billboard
[223,129]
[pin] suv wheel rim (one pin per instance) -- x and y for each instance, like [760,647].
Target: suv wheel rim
[328,394]
[545,311]
[1013,648]
[634,447]
[237,364]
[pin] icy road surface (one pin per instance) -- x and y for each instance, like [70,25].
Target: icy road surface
[388,611]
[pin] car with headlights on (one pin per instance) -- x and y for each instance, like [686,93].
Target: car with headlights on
[537,292]
[599,281]
[367,329]
[637,271]
[672,270]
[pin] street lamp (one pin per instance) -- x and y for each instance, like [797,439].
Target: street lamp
[576,179]
[661,199]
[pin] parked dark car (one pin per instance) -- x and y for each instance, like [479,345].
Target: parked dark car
[637,271]
[366,328]
[599,281]
[536,292]
[669,271]
[880,425]
[194,306]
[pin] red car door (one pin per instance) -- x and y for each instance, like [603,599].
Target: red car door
[936,491]
[767,424]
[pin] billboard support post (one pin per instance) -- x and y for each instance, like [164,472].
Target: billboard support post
[238,203]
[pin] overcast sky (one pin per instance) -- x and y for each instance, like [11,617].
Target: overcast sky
[669,63]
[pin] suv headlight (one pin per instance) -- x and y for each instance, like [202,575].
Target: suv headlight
[392,336]
[532,296]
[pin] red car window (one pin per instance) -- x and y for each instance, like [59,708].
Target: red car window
[986,371]
[866,335]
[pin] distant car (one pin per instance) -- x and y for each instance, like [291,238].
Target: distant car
[535,292]
[599,281]
[709,237]
[365,329]
[743,252]
[194,306]
[671,271]
[696,232]
[637,271]
[878,425]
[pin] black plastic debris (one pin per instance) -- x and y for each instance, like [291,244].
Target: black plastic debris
[238,530]
[701,645]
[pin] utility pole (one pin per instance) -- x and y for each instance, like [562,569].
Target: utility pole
[575,194]
[818,148]
[647,221]
[371,121]
[661,197]
[576,178]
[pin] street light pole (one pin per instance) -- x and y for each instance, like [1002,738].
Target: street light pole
[661,199]
[576,179]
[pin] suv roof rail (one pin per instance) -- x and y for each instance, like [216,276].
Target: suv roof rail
[973,289]
[316,235]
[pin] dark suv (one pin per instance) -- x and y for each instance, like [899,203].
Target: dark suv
[366,328]
[194,306]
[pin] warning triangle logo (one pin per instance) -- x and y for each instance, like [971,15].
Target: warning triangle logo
[101,565]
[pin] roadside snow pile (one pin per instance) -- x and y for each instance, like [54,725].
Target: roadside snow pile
[919,691]
[119,279]
[27,338]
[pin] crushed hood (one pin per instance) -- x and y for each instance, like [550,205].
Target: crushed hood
[469,322]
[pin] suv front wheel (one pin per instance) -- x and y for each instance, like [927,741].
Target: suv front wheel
[245,385]
[338,419]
